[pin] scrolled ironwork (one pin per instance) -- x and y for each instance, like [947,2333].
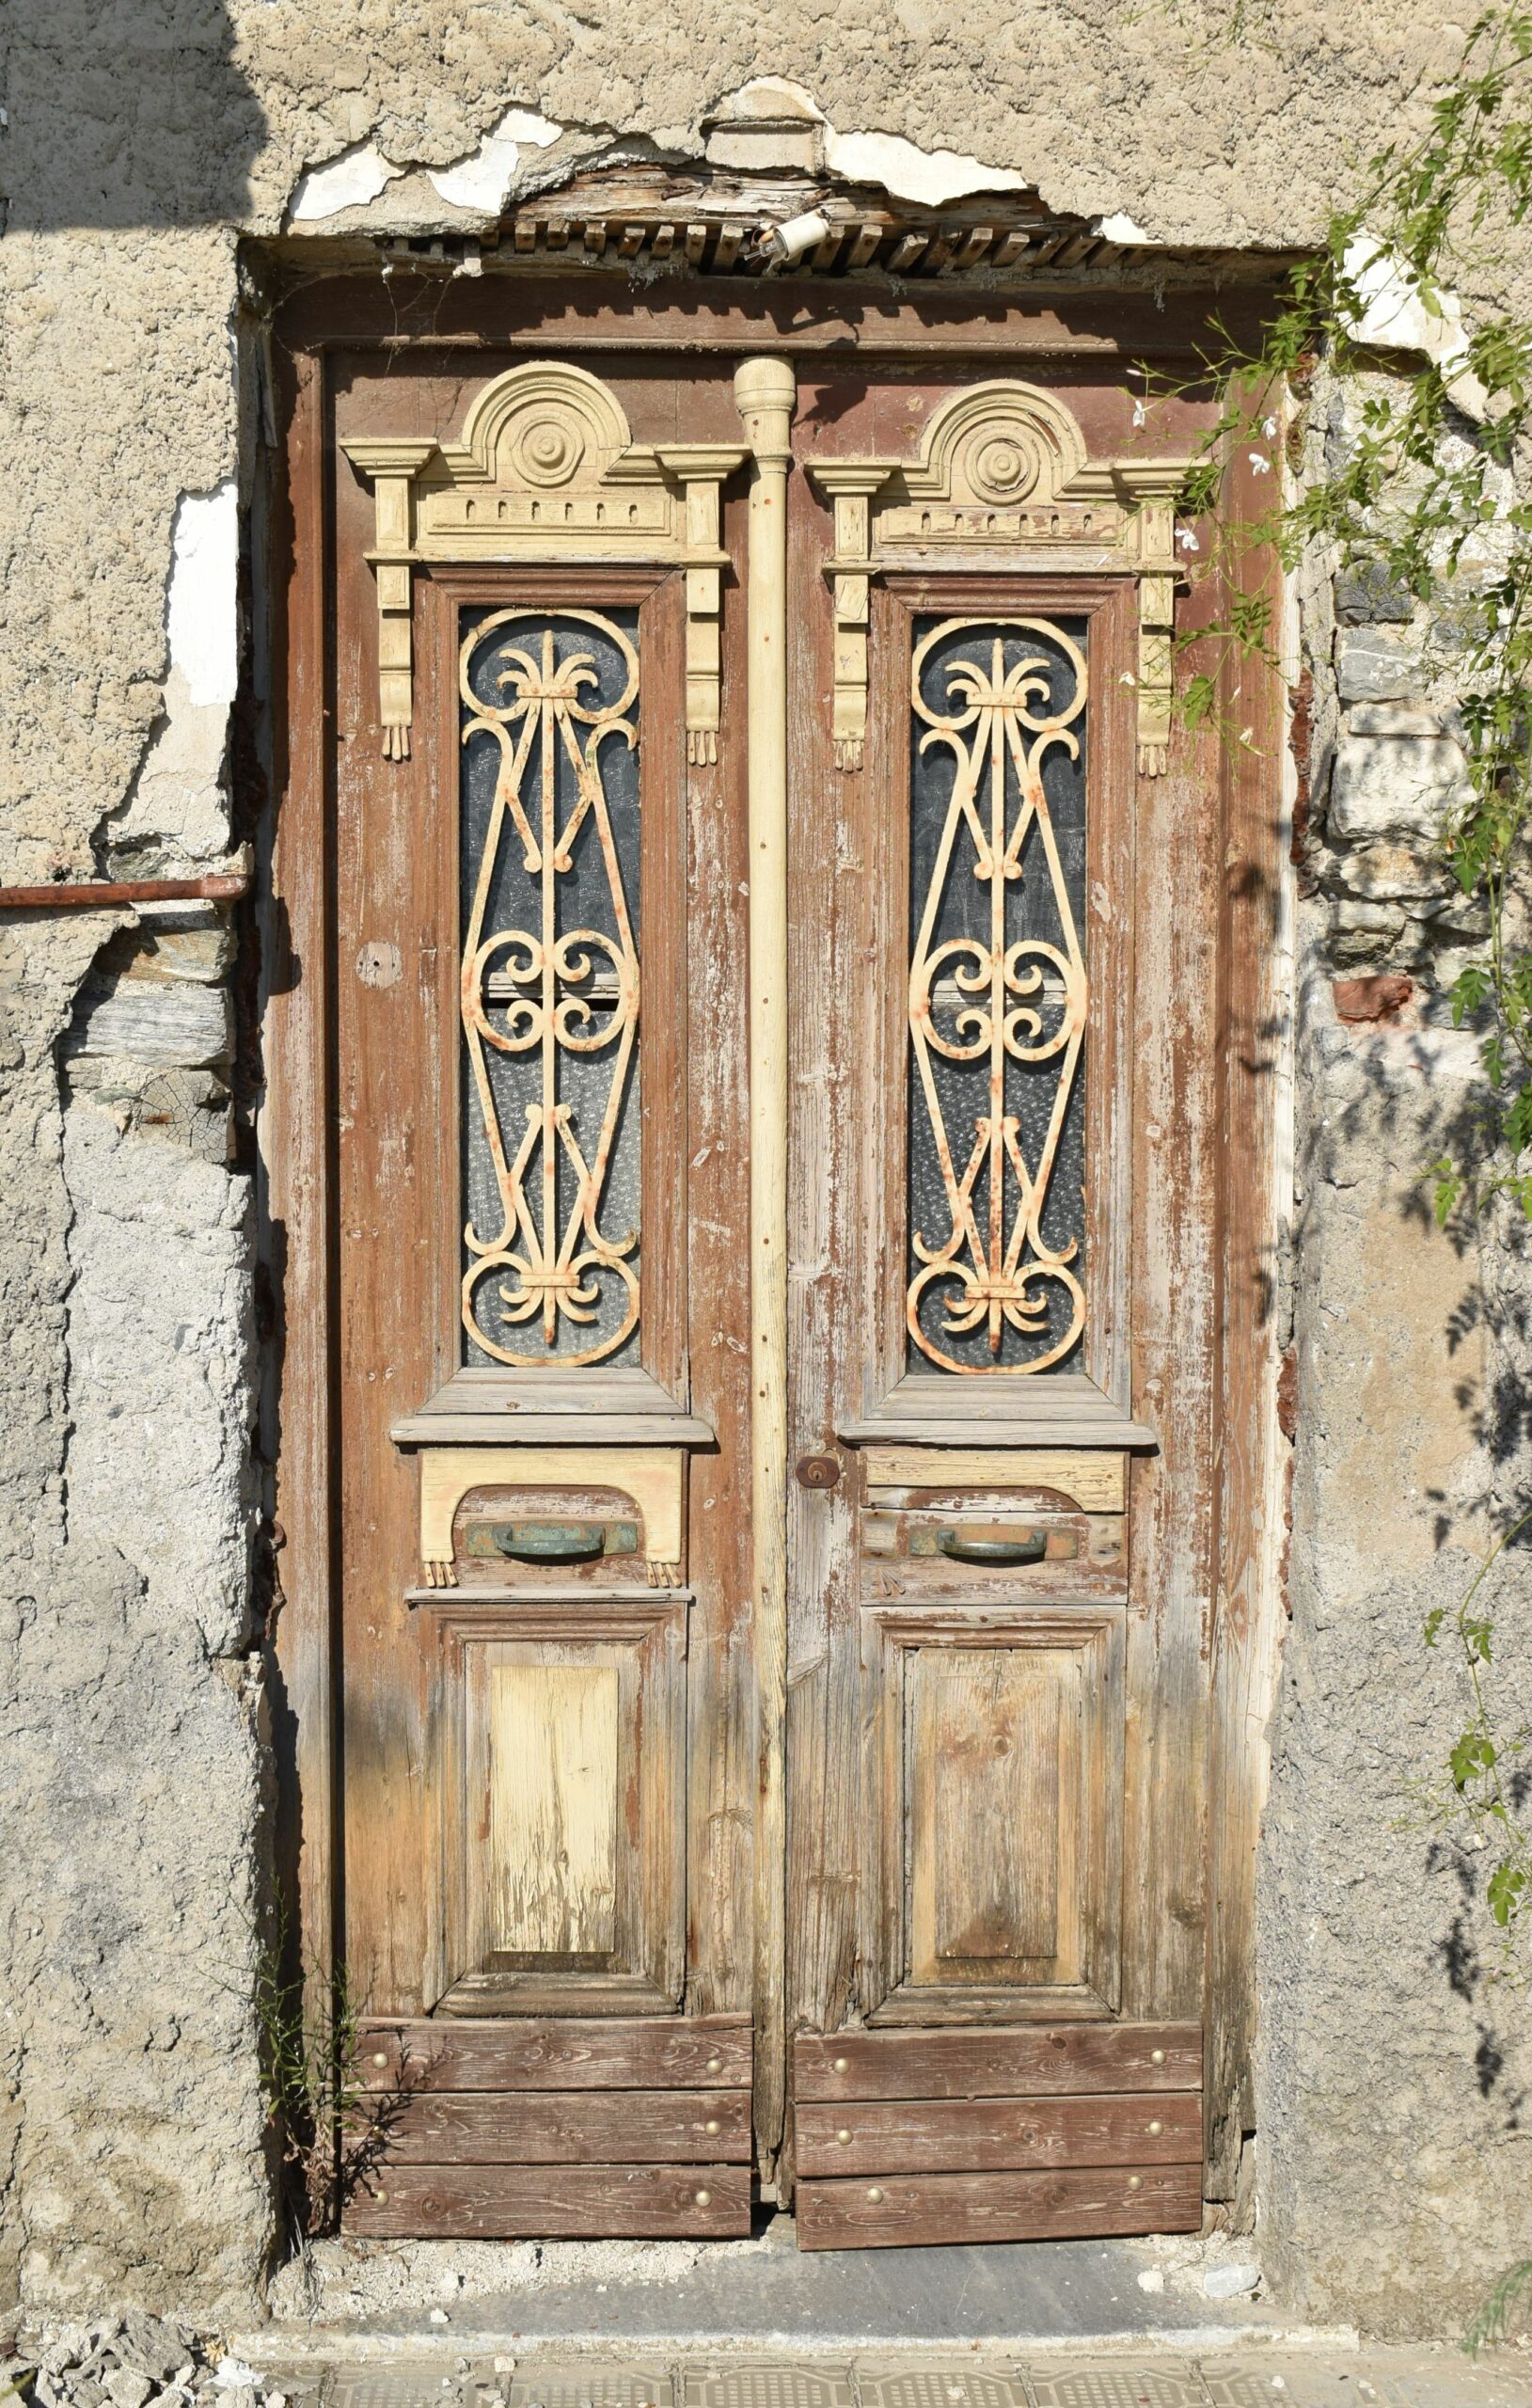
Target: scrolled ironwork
[548,993]
[1012,999]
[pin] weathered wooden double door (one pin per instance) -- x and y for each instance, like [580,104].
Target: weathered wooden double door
[773,955]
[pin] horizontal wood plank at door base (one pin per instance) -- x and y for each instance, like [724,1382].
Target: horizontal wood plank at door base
[1020,2062]
[557,2052]
[567,2128]
[903,2211]
[551,2203]
[1004,2135]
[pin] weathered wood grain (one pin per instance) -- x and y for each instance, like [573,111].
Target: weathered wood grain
[296,1191]
[901,2211]
[978,2135]
[552,2202]
[1024,2062]
[552,1778]
[993,1834]
[568,2128]
[1255,1456]
[557,2052]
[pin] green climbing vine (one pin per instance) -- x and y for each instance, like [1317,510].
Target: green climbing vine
[1429,494]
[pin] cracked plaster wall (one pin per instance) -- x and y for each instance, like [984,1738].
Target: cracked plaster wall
[146,138]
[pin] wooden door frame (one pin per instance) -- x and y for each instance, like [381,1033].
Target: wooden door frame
[466,323]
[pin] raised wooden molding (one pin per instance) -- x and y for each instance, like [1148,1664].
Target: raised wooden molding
[1096,1479]
[1003,481]
[546,471]
[652,1477]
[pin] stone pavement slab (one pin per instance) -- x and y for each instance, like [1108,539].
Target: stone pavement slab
[1276,2378]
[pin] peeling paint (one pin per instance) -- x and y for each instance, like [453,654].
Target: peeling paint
[484,178]
[349,181]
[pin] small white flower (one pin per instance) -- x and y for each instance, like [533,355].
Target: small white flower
[1269,429]
[1139,412]
[1246,734]
[1127,678]
[1186,541]
[1261,464]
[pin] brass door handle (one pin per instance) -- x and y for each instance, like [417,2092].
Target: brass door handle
[1027,1546]
[555,1541]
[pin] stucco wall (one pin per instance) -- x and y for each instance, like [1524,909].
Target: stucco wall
[146,138]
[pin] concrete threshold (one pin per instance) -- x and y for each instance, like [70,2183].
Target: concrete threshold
[382,2301]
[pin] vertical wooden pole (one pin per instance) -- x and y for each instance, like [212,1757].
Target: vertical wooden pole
[765,391]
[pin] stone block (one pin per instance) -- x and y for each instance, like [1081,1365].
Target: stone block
[1372,667]
[1395,786]
[1393,874]
[155,1020]
[1394,719]
[1367,595]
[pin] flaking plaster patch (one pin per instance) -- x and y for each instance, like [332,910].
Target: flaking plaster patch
[483,179]
[1120,228]
[350,180]
[909,173]
[179,802]
[1395,316]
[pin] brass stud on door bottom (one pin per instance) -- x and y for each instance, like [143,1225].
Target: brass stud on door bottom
[703,2198]
[714,2065]
[842,2064]
[382,2057]
[844,2137]
[1135,2181]
[1155,2129]
[1157,2056]
[712,2124]
[876,2196]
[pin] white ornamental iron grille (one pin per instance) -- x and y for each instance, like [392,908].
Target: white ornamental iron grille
[550,999]
[1001,701]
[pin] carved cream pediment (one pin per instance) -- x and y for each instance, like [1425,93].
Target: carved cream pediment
[1004,480]
[545,470]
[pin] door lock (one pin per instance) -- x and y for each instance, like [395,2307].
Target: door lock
[818,1471]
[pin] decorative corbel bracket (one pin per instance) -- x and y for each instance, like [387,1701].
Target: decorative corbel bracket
[393,463]
[546,472]
[700,469]
[1003,481]
[851,484]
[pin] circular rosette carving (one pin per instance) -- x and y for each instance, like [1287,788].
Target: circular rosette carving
[548,449]
[575,960]
[970,1298]
[521,961]
[1032,967]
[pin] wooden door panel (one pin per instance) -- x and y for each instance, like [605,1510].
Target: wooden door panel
[571,2127]
[984,2135]
[403,2058]
[994,1802]
[553,2202]
[905,2212]
[564,1805]
[1020,2062]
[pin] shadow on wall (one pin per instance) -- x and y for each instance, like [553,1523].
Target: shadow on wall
[126,112]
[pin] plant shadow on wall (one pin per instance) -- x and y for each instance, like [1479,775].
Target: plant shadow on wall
[1397,438]
[127,113]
